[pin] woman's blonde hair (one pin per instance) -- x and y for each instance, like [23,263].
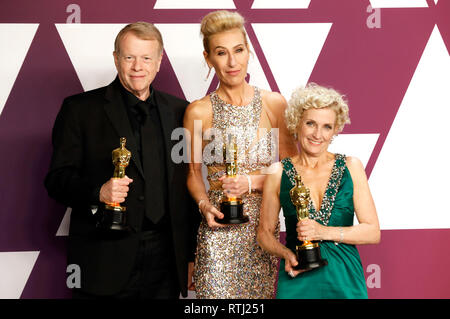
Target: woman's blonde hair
[143,30]
[315,96]
[220,21]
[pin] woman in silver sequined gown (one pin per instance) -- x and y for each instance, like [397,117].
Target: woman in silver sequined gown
[229,263]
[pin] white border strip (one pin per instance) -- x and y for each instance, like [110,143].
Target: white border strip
[281,4]
[399,3]
[194,4]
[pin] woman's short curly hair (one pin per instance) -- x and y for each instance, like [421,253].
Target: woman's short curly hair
[315,96]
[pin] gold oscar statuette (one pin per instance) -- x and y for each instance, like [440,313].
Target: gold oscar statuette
[231,207]
[308,252]
[113,215]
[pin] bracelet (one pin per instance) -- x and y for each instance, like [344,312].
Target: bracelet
[341,235]
[249,184]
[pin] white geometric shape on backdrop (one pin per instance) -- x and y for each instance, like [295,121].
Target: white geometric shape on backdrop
[281,219]
[357,145]
[17,38]
[15,269]
[90,48]
[257,75]
[194,4]
[290,63]
[281,4]
[398,3]
[409,179]
[63,229]
[184,49]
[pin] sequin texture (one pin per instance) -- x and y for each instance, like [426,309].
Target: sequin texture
[229,263]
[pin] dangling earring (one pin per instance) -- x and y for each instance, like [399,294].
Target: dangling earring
[209,72]
[295,136]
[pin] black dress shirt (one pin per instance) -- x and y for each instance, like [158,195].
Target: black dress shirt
[144,117]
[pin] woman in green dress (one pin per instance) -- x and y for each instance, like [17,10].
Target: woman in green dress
[338,188]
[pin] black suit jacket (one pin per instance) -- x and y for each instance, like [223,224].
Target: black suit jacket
[87,129]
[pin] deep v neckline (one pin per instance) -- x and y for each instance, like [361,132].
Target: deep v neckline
[312,205]
[337,172]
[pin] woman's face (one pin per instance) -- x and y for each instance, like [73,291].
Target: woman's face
[228,56]
[316,130]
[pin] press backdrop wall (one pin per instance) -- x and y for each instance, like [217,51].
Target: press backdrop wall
[390,58]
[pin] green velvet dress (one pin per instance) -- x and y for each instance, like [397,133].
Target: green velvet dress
[343,277]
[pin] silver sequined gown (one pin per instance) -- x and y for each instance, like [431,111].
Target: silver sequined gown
[229,263]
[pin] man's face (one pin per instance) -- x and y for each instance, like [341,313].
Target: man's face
[137,63]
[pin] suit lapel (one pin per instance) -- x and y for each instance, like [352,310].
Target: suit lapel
[167,123]
[115,110]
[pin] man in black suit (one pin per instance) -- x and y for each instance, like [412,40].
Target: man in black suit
[151,260]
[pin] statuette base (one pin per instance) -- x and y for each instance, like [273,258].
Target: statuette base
[309,258]
[233,213]
[113,219]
